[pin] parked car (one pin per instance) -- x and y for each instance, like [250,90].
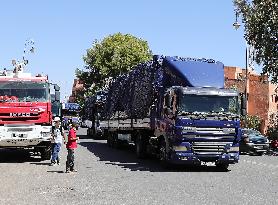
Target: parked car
[253,142]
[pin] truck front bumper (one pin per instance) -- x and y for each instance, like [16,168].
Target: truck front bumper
[24,135]
[189,158]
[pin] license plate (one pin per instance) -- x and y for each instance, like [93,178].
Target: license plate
[20,135]
[208,163]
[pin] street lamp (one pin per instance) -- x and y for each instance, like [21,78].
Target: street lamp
[236,25]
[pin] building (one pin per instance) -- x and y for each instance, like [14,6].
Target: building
[77,87]
[262,97]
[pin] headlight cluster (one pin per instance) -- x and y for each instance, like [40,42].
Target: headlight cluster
[45,134]
[234,149]
[180,148]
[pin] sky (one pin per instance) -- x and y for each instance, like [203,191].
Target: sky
[64,29]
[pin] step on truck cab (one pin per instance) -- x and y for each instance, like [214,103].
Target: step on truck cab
[177,109]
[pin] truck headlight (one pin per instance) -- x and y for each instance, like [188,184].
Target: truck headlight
[234,149]
[180,148]
[45,134]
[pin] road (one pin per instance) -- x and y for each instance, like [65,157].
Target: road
[110,176]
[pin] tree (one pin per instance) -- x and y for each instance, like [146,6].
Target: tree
[272,131]
[114,55]
[252,122]
[260,18]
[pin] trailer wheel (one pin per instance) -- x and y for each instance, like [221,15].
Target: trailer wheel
[45,153]
[109,140]
[88,132]
[140,147]
[115,142]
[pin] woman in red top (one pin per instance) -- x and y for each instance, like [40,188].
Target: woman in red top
[71,145]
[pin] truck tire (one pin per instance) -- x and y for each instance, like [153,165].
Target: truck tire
[45,153]
[222,167]
[140,147]
[163,155]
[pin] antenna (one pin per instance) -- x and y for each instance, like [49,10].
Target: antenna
[29,46]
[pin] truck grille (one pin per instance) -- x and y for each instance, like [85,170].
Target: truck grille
[214,130]
[20,129]
[208,147]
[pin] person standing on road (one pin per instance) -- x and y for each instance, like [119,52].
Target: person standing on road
[71,146]
[59,136]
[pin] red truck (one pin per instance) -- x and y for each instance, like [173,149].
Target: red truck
[25,111]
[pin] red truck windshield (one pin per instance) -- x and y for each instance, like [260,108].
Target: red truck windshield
[24,91]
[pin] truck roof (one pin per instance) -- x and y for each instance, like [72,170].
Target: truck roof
[195,72]
[9,75]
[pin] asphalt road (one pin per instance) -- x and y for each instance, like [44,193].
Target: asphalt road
[109,176]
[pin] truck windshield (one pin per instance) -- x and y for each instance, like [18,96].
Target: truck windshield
[208,104]
[25,91]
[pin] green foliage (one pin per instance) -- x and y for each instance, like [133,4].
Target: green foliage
[272,131]
[114,55]
[260,18]
[252,122]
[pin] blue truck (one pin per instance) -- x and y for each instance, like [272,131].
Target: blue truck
[176,109]
[70,114]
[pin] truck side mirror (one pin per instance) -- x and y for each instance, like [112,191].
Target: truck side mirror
[243,105]
[243,112]
[57,96]
[56,88]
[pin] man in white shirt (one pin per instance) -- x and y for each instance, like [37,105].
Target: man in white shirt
[59,137]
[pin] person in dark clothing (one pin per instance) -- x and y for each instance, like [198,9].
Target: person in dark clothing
[71,146]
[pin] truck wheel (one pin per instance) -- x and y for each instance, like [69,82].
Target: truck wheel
[260,153]
[140,147]
[222,167]
[45,153]
[163,154]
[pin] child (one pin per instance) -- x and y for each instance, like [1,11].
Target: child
[71,146]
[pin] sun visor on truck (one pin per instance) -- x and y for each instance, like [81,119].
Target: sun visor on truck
[193,72]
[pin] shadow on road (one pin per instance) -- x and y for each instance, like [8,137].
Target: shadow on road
[126,159]
[41,163]
[17,156]
[59,172]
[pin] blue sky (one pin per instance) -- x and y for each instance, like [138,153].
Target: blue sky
[64,29]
